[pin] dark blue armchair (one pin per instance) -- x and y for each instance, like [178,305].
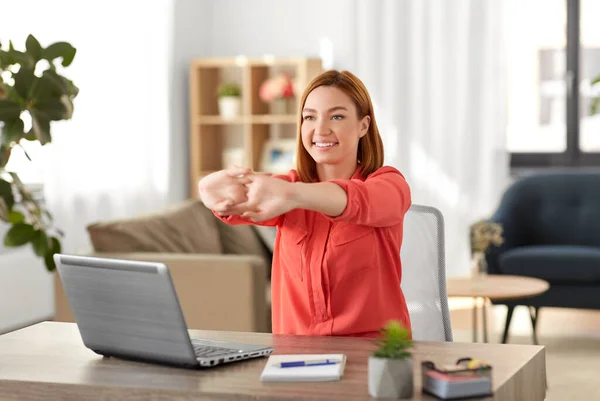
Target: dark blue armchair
[551,227]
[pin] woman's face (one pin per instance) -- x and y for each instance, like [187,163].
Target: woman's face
[330,127]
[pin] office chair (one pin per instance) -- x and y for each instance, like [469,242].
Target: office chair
[424,274]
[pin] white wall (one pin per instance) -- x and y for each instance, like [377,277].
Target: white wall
[284,28]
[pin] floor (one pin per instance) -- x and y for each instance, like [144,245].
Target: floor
[571,337]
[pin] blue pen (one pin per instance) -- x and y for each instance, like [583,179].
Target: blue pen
[316,362]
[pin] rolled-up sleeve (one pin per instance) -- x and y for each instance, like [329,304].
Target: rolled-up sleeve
[381,200]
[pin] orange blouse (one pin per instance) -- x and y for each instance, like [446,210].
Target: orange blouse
[341,275]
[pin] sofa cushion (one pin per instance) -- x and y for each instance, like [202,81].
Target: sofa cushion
[557,264]
[267,235]
[243,240]
[188,227]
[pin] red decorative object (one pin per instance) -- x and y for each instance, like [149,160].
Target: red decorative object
[280,86]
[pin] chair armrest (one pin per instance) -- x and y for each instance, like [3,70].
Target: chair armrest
[216,292]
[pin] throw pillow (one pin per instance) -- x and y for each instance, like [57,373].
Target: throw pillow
[184,228]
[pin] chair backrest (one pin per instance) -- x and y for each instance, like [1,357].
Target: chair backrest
[424,274]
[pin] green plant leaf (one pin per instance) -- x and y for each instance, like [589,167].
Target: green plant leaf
[23,82]
[40,126]
[16,217]
[6,193]
[60,49]
[5,151]
[41,243]
[9,110]
[19,234]
[3,211]
[13,131]
[594,105]
[52,109]
[13,56]
[48,86]
[49,257]
[395,341]
[33,48]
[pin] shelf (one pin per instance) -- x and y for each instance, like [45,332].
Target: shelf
[217,120]
[275,119]
[255,119]
[216,143]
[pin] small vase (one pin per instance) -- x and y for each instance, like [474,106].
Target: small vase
[229,107]
[390,378]
[283,106]
[478,265]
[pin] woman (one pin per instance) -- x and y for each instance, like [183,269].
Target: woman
[336,264]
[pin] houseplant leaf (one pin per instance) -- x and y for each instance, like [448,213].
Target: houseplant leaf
[49,257]
[40,126]
[13,131]
[19,234]
[5,152]
[34,49]
[6,193]
[41,243]
[51,109]
[13,56]
[9,110]
[23,81]
[16,217]
[48,86]
[60,49]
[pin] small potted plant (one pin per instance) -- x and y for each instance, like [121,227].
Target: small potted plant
[390,366]
[483,234]
[229,100]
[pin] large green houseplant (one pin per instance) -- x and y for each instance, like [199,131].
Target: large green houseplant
[32,91]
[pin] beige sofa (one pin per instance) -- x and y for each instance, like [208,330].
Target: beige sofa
[220,272]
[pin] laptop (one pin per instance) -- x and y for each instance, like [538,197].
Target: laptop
[130,310]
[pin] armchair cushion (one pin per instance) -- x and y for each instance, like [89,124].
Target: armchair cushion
[188,227]
[557,264]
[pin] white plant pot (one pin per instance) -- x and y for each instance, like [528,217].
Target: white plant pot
[229,107]
[390,378]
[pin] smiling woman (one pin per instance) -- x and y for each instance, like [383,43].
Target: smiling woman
[337,123]
[336,262]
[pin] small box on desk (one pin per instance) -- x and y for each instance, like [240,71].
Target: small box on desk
[468,378]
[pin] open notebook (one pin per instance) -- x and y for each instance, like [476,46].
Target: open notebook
[273,373]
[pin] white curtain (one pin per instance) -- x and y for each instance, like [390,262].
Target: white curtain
[112,159]
[436,72]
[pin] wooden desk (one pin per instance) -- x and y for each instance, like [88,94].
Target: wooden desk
[48,361]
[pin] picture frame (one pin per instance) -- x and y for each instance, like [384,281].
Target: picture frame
[278,156]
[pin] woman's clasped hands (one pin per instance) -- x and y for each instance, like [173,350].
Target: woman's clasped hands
[243,192]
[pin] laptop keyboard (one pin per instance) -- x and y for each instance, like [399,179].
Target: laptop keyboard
[209,351]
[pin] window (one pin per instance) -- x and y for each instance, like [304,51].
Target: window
[553,54]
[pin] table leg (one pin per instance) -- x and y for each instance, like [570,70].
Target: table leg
[484,323]
[475,319]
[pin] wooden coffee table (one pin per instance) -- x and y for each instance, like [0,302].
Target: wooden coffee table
[493,287]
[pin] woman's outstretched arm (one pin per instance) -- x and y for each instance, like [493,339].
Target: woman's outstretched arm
[380,201]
